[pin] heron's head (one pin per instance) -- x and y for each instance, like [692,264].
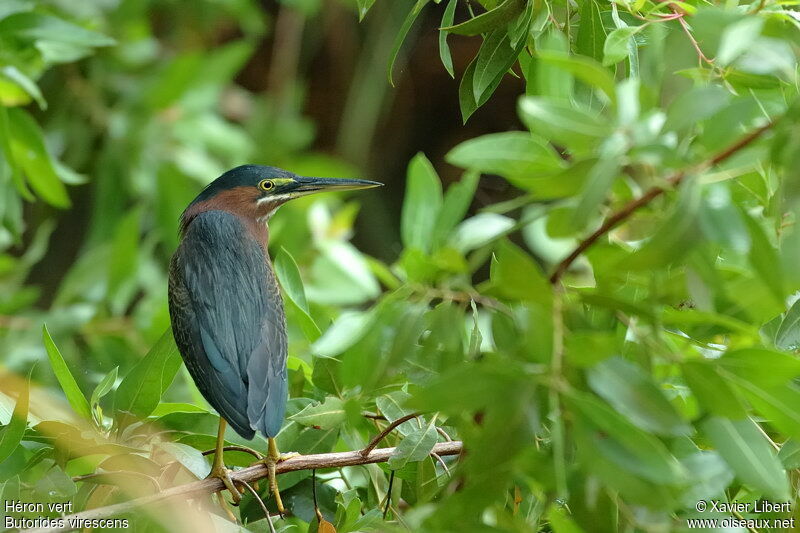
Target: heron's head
[256,191]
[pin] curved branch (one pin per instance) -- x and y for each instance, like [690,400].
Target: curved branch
[254,473]
[672,181]
[380,436]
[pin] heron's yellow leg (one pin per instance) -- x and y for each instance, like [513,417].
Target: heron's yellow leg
[271,460]
[219,470]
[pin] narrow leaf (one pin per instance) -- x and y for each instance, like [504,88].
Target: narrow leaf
[423,199]
[68,384]
[444,48]
[13,432]
[490,20]
[415,447]
[749,454]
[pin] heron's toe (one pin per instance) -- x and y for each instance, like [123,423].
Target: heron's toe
[288,455]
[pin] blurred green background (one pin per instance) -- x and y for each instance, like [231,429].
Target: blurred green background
[137,125]
[583,264]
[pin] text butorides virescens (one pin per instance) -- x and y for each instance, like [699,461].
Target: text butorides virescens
[226,307]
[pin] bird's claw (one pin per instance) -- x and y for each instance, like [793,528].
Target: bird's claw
[224,474]
[271,461]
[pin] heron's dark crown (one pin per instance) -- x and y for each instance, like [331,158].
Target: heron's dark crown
[241,176]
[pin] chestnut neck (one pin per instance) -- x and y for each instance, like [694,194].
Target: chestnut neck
[239,201]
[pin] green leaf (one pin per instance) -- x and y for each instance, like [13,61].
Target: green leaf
[513,154]
[141,389]
[167,408]
[695,105]
[415,447]
[591,32]
[764,258]
[633,394]
[712,391]
[616,47]
[778,405]
[401,35]
[423,199]
[456,203]
[790,454]
[289,277]
[633,449]
[326,415]
[494,58]
[123,265]
[737,39]
[444,48]
[598,182]
[29,152]
[104,387]
[480,230]
[720,221]
[466,93]
[563,123]
[190,458]
[674,238]
[16,76]
[40,27]
[347,330]
[363,7]
[585,69]
[13,432]
[68,384]
[392,407]
[340,275]
[764,367]
[749,454]
[516,276]
[788,335]
[490,20]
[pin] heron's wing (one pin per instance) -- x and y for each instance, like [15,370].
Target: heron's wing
[234,316]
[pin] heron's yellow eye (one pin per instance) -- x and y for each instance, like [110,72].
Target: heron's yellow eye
[266,185]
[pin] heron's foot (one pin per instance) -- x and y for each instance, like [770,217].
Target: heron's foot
[271,461]
[224,474]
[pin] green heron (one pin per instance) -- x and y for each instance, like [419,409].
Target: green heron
[226,307]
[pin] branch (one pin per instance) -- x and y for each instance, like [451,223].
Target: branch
[380,436]
[254,473]
[672,181]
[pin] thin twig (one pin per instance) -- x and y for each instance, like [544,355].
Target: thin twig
[694,42]
[234,448]
[631,207]
[260,503]
[380,436]
[443,433]
[441,462]
[111,473]
[389,495]
[211,485]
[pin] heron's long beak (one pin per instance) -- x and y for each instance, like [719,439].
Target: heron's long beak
[307,185]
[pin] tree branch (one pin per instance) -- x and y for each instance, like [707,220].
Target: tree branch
[672,181]
[380,436]
[254,473]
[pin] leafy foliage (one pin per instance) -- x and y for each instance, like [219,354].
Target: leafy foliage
[614,343]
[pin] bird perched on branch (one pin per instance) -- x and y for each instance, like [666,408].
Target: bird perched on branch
[226,307]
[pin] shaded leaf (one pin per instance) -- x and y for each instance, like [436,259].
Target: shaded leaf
[490,20]
[416,446]
[68,384]
[749,454]
[141,389]
[632,392]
